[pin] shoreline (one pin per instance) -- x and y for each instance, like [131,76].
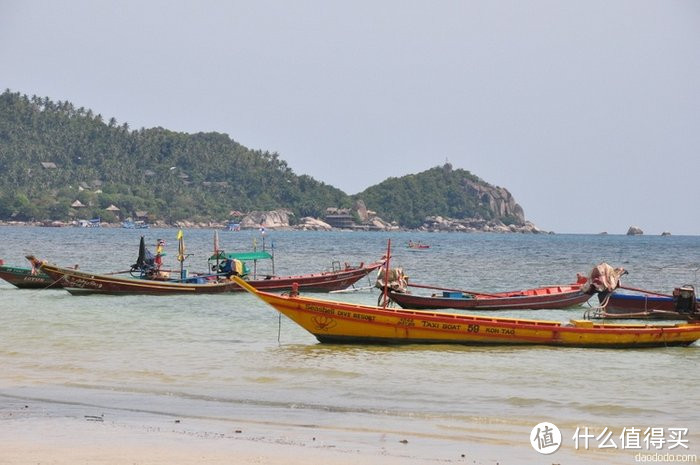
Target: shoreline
[495,229]
[58,432]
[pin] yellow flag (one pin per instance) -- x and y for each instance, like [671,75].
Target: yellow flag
[180,247]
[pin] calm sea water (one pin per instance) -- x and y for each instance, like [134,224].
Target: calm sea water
[230,356]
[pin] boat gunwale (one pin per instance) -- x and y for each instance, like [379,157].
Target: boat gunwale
[152,284]
[573,326]
[164,286]
[493,303]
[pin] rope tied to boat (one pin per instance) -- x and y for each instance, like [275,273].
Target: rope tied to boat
[279,328]
[598,311]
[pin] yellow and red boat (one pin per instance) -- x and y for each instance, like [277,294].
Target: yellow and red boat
[338,322]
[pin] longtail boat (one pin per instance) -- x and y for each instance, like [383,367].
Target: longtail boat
[79,282]
[338,322]
[558,296]
[681,304]
[26,278]
[545,297]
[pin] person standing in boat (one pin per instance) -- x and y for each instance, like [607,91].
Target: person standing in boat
[160,245]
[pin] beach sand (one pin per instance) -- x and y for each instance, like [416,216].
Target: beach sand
[35,432]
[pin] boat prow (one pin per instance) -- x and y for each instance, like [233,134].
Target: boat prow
[26,278]
[338,322]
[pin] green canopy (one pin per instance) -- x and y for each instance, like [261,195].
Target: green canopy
[243,256]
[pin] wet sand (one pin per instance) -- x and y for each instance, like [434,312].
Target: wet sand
[36,432]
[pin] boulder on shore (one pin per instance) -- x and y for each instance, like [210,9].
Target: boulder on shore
[275,219]
[439,223]
[312,224]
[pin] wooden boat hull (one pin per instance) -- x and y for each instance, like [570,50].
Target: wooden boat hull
[532,299]
[335,322]
[80,283]
[23,278]
[319,282]
[643,306]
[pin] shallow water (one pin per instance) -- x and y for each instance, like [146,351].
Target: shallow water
[219,355]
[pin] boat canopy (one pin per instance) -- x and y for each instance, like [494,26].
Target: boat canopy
[243,256]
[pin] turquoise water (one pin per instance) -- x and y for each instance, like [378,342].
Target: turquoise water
[232,357]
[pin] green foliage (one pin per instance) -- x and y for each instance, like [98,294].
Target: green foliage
[177,176]
[171,175]
[438,191]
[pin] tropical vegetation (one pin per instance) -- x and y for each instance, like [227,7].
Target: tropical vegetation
[59,162]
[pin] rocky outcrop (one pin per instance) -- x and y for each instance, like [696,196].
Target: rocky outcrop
[378,224]
[362,212]
[666,233]
[439,223]
[275,219]
[279,219]
[497,199]
[634,231]
[312,224]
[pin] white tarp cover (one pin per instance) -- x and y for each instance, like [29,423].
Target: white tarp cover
[397,279]
[603,278]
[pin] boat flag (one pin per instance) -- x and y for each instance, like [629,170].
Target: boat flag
[181,253]
[180,246]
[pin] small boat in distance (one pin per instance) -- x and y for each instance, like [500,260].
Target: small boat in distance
[138,224]
[417,245]
[91,223]
[338,322]
[232,226]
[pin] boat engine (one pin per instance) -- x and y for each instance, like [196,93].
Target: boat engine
[684,299]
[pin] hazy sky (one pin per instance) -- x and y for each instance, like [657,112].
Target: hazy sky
[587,111]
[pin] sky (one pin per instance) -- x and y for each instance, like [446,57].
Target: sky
[587,111]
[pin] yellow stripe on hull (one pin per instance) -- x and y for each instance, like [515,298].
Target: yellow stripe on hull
[333,321]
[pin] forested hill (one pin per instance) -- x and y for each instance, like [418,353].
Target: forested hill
[53,154]
[442,191]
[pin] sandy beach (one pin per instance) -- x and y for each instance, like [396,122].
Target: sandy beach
[38,432]
[34,432]
[223,379]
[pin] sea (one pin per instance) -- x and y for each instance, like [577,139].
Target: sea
[234,361]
